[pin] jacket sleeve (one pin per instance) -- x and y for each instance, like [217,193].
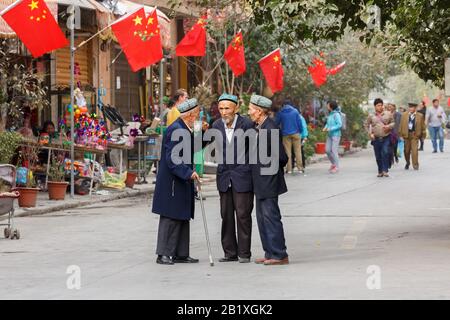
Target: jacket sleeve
[182,171]
[391,123]
[367,125]
[424,129]
[283,156]
[304,128]
[277,119]
[299,122]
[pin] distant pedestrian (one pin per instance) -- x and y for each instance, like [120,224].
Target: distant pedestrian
[422,109]
[435,119]
[288,118]
[394,134]
[333,127]
[180,96]
[412,129]
[379,127]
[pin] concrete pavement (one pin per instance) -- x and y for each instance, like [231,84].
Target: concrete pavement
[350,235]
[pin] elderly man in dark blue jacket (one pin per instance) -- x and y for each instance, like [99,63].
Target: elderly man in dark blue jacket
[234,182]
[288,118]
[268,182]
[174,198]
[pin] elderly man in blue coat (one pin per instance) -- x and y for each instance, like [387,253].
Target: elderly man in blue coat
[268,182]
[234,182]
[174,198]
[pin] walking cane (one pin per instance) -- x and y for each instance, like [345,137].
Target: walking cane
[199,190]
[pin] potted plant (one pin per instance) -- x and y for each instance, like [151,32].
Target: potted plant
[9,141]
[57,186]
[28,194]
[319,138]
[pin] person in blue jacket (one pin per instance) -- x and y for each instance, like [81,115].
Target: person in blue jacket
[174,198]
[288,118]
[333,127]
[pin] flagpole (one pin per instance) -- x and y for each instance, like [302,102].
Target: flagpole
[268,54]
[72,85]
[92,37]
[212,71]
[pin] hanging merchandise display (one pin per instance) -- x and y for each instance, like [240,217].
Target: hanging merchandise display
[90,130]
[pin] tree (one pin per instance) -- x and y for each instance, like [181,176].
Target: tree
[416,31]
[19,87]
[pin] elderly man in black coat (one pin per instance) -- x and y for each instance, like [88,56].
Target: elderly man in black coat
[234,181]
[174,198]
[268,182]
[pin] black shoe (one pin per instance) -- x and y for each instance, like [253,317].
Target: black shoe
[226,259]
[244,260]
[164,260]
[407,166]
[185,260]
[435,151]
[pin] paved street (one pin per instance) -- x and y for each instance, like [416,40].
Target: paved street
[336,227]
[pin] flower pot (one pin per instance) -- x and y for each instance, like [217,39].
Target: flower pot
[346,144]
[57,190]
[28,197]
[320,147]
[131,178]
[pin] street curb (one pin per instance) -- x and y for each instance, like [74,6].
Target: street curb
[130,194]
[325,158]
[83,203]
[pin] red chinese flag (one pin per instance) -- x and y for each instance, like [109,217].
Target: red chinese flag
[235,55]
[139,38]
[194,42]
[273,70]
[336,69]
[35,26]
[155,50]
[318,72]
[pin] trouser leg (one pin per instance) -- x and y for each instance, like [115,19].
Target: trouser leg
[408,150]
[297,143]
[415,153]
[377,151]
[275,241]
[243,202]
[262,228]
[287,143]
[433,136]
[441,139]
[385,153]
[303,157]
[335,150]
[228,233]
[182,249]
[168,236]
